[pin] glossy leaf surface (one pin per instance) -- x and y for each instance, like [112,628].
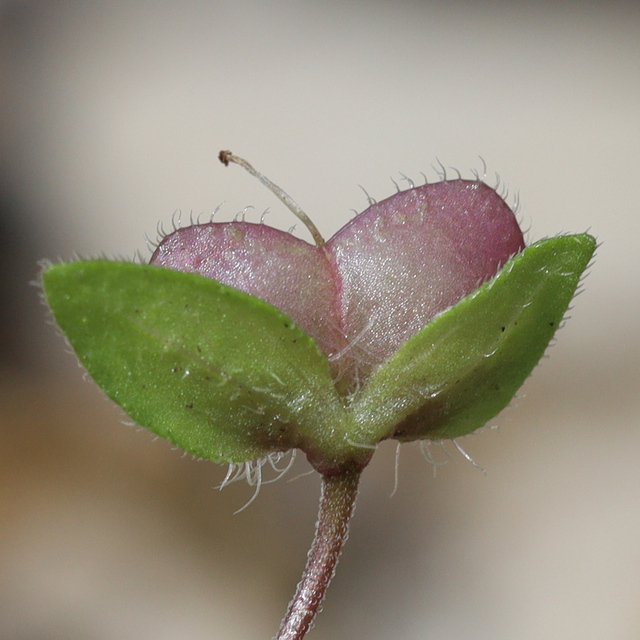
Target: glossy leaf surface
[376,282]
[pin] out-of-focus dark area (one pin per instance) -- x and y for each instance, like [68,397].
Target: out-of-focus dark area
[111,118]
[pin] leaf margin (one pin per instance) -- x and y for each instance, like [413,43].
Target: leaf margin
[383,410]
[315,404]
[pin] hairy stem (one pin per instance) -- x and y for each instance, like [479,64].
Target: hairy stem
[337,502]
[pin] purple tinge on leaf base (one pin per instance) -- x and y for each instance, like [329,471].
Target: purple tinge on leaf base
[376,282]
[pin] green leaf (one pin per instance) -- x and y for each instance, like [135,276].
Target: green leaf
[215,371]
[466,365]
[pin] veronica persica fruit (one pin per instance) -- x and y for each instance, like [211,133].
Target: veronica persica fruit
[419,319]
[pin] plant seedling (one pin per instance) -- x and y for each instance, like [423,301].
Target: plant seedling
[418,320]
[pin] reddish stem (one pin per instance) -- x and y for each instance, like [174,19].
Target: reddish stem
[337,502]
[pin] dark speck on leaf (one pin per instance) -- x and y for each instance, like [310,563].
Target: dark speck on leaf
[190,406]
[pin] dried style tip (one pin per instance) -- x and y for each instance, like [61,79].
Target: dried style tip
[226,157]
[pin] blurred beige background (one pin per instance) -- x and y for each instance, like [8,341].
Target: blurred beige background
[112,114]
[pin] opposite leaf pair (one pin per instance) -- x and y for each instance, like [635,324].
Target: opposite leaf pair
[420,319]
[385,331]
